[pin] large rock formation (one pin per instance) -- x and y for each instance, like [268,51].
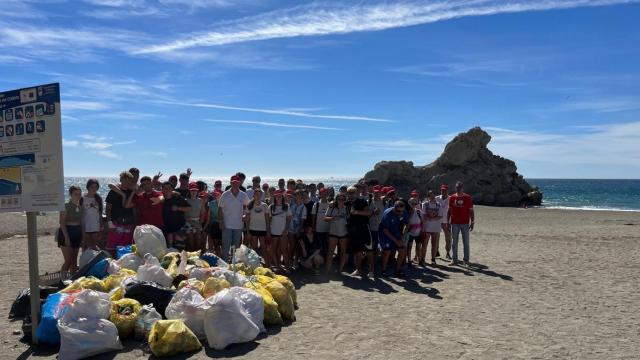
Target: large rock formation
[490,179]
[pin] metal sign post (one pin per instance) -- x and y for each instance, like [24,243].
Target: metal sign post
[34,273]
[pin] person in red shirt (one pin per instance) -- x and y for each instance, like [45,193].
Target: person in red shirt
[461,218]
[148,204]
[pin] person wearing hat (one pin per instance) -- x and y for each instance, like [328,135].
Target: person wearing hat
[443,199]
[461,217]
[241,177]
[433,213]
[193,225]
[230,212]
[414,232]
[392,226]
[212,225]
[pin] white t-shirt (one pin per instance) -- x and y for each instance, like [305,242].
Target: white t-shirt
[431,225]
[233,208]
[258,222]
[444,206]
[337,226]
[278,219]
[318,212]
[91,214]
[415,224]
[374,220]
[250,194]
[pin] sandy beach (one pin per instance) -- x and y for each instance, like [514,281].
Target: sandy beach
[548,284]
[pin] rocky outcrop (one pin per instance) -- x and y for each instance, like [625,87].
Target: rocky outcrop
[490,179]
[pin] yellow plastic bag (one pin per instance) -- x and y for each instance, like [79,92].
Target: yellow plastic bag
[282,297]
[84,283]
[239,267]
[117,293]
[264,271]
[194,283]
[172,337]
[271,314]
[286,282]
[263,280]
[213,285]
[124,313]
[126,272]
[174,258]
[112,281]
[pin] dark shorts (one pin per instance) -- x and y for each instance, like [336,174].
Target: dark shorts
[323,238]
[388,245]
[360,239]
[258,233]
[214,230]
[375,241]
[75,236]
[339,237]
[414,238]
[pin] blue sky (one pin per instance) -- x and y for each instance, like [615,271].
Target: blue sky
[305,89]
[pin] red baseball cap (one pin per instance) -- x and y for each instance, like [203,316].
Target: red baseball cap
[290,192]
[377,189]
[235,179]
[391,190]
[444,187]
[415,193]
[278,192]
[193,186]
[323,190]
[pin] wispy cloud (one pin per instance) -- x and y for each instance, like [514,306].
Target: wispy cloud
[273,124]
[399,145]
[71,105]
[602,104]
[317,20]
[99,145]
[276,112]
[117,9]
[160,154]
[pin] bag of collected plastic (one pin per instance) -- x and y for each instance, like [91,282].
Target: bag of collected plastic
[52,310]
[261,279]
[116,294]
[214,285]
[271,314]
[282,297]
[99,270]
[88,283]
[151,271]
[130,261]
[234,278]
[264,272]
[123,250]
[253,304]
[202,274]
[192,283]
[214,260]
[172,337]
[170,263]
[240,267]
[149,293]
[83,338]
[145,320]
[149,240]
[227,321]
[189,306]
[87,256]
[113,267]
[86,304]
[286,282]
[248,257]
[21,306]
[123,314]
[112,281]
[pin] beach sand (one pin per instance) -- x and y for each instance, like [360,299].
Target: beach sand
[552,284]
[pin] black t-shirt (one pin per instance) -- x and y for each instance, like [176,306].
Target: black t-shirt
[310,246]
[358,205]
[173,220]
[308,222]
[119,213]
[183,192]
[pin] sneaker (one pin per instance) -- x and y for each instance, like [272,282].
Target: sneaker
[371,275]
[453,263]
[355,273]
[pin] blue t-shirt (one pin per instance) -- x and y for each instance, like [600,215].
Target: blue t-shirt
[392,222]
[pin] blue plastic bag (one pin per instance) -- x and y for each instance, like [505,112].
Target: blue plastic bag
[52,310]
[123,250]
[210,258]
[99,270]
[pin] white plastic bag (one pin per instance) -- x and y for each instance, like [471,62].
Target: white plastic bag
[130,261]
[202,274]
[189,306]
[87,256]
[227,321]
[151,271]
[247,256]
[144,322]
[88,304]
[149,240]
[87,337]
[253,304]
[234,278]
[113,267]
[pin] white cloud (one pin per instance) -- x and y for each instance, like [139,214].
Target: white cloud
[272,124]
[317,20]
[400,145]
[99,145]
[108,154]
[601,104]
[70,143]
[72,105]
[160,154]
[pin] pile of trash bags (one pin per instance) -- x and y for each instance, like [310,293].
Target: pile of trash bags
[176,301]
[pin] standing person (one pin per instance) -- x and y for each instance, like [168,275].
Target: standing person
[92,210]
[336,216]
[415,228]
[183,189]
[443,199]
[258,224]
[308,203]
[376,207]
[241,178]
[255,184]
[296,227]
[70,232]
[359,233]
[280,218]
[173,180]
[148,203]
[320,226]
[432,213]
[193,226]
[214,234]
[230,212]
[120,218]
[174,209]
[392,226]
[281,185]
[313,193]
[462,219]
[217,186]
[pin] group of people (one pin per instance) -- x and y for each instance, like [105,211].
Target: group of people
[290,225]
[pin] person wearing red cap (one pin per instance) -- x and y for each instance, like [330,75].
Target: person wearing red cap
[148,204]
[214,235]
[390,197]
[461,217]
[230,212]
[193,225]
[443,198]
[279,217]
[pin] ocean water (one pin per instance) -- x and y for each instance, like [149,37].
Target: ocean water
[583,194]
